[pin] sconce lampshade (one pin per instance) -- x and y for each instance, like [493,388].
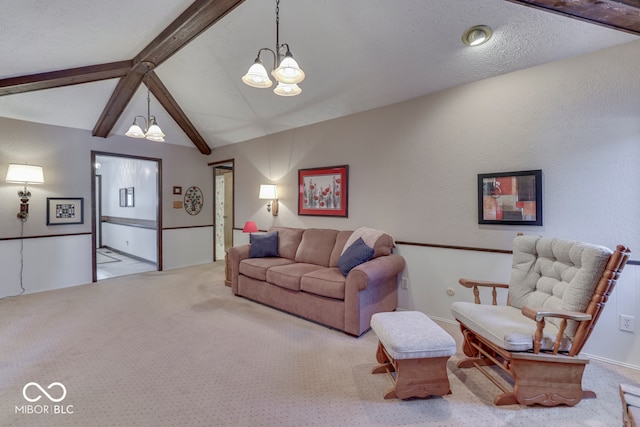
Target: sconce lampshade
[268,191]
[24,174]
[250,227]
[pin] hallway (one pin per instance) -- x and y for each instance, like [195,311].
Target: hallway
[113,264]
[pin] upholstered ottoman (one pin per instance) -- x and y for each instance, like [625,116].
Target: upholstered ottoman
[416,349]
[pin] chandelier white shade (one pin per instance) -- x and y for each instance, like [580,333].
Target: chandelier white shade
[257,76]
[288,71]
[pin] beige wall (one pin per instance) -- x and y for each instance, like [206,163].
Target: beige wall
[413,165]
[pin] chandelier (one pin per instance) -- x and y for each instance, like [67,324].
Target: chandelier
[285,69]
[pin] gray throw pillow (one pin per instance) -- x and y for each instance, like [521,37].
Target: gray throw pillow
[354,255]
[263,245]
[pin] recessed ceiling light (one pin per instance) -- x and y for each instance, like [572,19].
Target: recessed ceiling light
[477,35]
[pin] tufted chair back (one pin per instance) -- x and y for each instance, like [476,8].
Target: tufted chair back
[555,274]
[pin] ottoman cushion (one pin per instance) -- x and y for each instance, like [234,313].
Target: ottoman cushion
[412,335]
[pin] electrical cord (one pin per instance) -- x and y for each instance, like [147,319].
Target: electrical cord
[21,262]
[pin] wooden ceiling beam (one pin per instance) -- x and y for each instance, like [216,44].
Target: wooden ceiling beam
[119,100]
[623,15]
[163,96]
[60,78]
[192,22]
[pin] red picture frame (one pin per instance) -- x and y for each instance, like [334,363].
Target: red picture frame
[323,191]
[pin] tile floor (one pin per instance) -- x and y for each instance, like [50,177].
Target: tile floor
[114,264]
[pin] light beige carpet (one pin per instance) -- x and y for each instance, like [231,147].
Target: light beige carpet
[177,348]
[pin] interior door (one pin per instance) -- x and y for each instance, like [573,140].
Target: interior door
[223,208]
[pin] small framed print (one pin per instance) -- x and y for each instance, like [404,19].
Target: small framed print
[65,211]
[177,190]
[510,198]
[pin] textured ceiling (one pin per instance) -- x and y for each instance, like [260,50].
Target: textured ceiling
[357,55]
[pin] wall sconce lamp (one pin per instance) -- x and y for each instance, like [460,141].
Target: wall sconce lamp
[269,192]
[24,174]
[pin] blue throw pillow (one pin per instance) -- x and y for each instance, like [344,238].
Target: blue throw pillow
[263,245]
[354,255]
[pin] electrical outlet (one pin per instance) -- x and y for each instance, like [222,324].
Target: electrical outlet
[627,323]
[405,283]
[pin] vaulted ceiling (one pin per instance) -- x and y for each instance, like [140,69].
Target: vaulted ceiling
[82,64]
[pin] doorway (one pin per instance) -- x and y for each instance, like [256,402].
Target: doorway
[126,215]
[223,195]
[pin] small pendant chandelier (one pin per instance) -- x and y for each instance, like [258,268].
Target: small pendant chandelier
[286,70]
[151,129]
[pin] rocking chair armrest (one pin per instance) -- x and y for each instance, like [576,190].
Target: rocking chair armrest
[471,283]
[538,313]
[475,284]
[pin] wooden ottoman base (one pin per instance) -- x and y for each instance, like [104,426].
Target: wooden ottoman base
[414,351]
[413,377]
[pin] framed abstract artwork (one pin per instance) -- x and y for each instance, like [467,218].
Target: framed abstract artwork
[510,198]
[65,211]
[323,191]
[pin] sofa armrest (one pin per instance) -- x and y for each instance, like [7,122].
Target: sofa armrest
[375,271]
[235,255]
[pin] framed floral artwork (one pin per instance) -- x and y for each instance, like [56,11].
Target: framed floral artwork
[323,191]
[510,198]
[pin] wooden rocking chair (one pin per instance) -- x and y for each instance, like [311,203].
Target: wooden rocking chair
[556,294]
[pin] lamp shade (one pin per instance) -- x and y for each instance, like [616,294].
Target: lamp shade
[155,133]
[25,174]
[288,71]
[250,227]
[135,132]
[287,89]
[268,191]
[257,76]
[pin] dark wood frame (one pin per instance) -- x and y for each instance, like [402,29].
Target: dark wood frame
[340,189]
[51,218]
[532,194]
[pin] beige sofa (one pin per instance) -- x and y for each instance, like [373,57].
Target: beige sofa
[304,279]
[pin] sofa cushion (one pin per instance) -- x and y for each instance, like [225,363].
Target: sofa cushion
[288,241]
[256,268]
[354,255]
[288,276]
[316,246]
[327,282]
[381,242]
[341,239]
[505,326]
[263,245]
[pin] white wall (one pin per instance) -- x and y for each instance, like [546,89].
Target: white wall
[413,170]
[55,261]
[184,247]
